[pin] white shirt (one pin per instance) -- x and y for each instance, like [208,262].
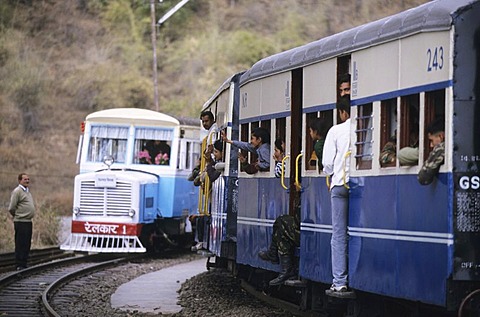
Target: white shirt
[212,134]
[337,145]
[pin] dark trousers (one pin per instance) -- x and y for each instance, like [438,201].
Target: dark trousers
[23,241]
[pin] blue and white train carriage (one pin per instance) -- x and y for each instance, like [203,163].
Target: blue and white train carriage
[407,241]
[132,193]
[222,202]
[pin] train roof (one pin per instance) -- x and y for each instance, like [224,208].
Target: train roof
[132,116]
[223,87]
[432,16]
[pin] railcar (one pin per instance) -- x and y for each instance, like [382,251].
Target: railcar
[220,201]
[407,242]
[132,193]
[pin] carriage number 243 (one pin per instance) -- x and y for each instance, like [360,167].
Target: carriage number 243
[434,58]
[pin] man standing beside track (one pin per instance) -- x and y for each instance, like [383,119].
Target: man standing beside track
[22,210]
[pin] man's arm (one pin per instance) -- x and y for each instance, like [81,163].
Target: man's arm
[13,203]
[431,166]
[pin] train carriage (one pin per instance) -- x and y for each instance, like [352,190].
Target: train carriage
[132,193]
[407,241]
[221,204]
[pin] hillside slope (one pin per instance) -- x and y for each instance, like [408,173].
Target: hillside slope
[60,60]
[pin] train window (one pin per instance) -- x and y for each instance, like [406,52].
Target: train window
[364,132]
[152,146]
[321,121]
[107,140]
[188,154]
[245,137]
[434,108]
[280,128]
[388,133]
[280,131]
[409,130]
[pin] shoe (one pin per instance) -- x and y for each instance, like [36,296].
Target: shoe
[197,247]
[268,256]
[286,270]
[340,292]
[340,289]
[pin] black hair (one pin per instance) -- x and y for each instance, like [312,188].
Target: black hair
[319,125]
[207,113]
[262,133]
[436,126]
[343,103]
[343,78]
[279,144]
[218,145]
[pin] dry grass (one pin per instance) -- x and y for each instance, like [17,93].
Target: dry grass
[46,226]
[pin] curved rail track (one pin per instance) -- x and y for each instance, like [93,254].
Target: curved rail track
[28,292]
[36,256]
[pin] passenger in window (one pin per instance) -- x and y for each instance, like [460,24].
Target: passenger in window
[344,84]
[336,165]
[388,155]
[215,165]
[278,155]
[436,135]
[259,145]
[159,152]
[409,155]
[318,130]
[213,170]
[208,123]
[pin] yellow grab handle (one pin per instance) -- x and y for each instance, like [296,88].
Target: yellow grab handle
[297,167]
[345,170]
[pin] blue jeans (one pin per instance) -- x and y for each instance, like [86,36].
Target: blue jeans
[339,243]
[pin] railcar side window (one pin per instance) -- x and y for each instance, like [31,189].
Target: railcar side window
[245,137]
[152,146]
[364,132]
[188,154]
[107,140]
[388,133]
[409,129]
[326,120]
[434,108]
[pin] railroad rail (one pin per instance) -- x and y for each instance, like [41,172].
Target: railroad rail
[20,291]
[36,256]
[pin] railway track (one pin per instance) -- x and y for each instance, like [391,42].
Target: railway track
[30,292]
[37,256]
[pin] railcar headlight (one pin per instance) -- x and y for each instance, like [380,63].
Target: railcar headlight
[131,212]
[108,160]
[76,210]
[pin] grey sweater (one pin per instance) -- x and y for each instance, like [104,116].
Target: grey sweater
[21,205]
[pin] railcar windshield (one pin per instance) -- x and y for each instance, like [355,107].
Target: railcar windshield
[107,140]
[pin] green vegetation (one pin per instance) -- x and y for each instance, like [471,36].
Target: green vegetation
[60,60]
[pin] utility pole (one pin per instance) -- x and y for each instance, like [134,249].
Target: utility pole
[154,45]
[154,41]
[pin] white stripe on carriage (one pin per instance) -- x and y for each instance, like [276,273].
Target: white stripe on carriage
[418,236]
[404,232]
[271,221]
[402,238]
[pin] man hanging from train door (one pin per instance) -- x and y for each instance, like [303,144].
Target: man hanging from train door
[201,179]
[336,165]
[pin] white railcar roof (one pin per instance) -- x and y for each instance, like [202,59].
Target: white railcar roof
[432,16]
[132,116]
